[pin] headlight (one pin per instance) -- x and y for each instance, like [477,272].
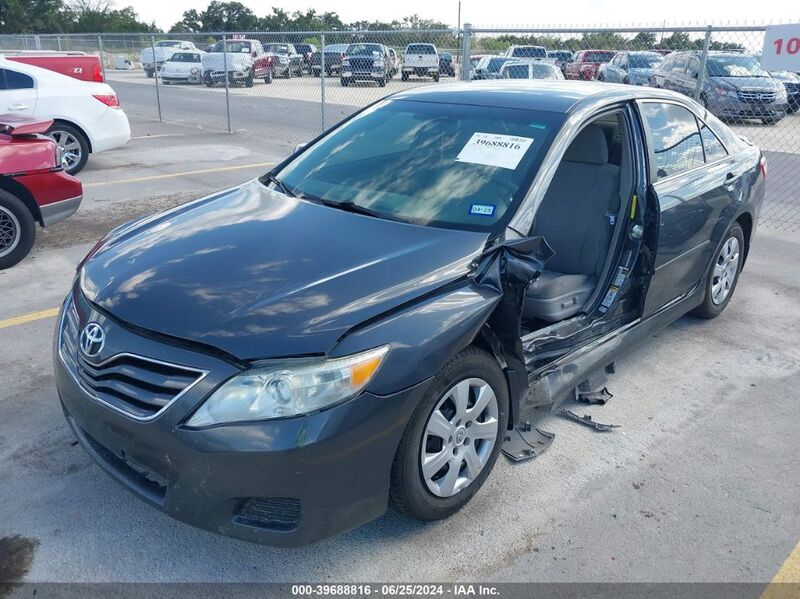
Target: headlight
[782,95]
[345,63]
[377,63]
[289,388]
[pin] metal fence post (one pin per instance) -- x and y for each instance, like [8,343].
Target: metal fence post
[322,76]
[59,42]
[102,58]
[701,76]
[227,83]
[155,75]
[465,51]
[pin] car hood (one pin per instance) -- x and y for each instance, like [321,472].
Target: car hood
[180,67]
[257,274]
[749,83]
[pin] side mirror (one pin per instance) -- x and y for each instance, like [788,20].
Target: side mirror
[299,147]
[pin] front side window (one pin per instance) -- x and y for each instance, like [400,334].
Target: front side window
[597,56]
[516,71]
[494,65]
[677,146]
[448,165]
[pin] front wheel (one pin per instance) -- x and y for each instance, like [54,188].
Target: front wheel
[17,230]
[74,146]
[436,77]
[248,82]
[723,275]
[268,77]
[453,438]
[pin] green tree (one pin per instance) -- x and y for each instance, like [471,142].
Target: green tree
[218,16]
[91,16]
[643,41]
[33,16]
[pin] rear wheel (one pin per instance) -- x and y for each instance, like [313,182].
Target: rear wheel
[382,82]
[208,81]
[149,73]
[723,274]
[436,77]
[17,230]
[345,82]
[453,438]
[287,73]
[404,77]
[74,146]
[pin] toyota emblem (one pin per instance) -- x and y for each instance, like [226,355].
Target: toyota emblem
[93,337]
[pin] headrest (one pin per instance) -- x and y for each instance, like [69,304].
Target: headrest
[590,147]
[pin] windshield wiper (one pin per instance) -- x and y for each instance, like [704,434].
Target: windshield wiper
[349,206]
[279,184]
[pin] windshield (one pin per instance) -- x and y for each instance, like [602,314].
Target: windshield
[340,48]
[363,49]
[597,56]
[644,61]
[232,47]
[493,65]
[185,57]
[167,44]
[735,66]
[530,52]
[277,48]
[420,49]
[560,54]
[430,163]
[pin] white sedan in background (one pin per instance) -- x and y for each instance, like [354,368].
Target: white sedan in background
[86,116]
[182,67]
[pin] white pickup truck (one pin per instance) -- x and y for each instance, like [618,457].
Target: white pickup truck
[421,60]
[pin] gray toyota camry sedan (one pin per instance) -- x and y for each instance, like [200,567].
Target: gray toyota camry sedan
[371,321]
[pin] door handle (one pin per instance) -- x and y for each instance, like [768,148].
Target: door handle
[18,107]
[730,181]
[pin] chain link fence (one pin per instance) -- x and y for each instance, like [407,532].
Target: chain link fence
[302,89]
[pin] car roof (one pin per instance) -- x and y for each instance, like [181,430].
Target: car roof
[552,96]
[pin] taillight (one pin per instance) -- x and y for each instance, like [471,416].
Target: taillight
[97,74]
[109,100]
[763,165]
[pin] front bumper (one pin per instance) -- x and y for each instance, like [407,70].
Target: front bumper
[187,78]
[362,75]
[283,482]
[731,107]
[219,76]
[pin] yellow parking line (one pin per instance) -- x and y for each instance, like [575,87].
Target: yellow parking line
[183,174]
[789,573]
[25,318]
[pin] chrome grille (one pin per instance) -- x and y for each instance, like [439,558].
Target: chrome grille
[756,96]
[135,385]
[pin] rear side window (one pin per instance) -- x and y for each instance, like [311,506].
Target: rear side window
[677,145]
[15,80]
[713,147]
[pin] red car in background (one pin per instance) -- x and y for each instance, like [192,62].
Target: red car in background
[587,64]
[78,65]
[33,185]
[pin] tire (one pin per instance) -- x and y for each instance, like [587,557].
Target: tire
[288,73]
[248,82]
[382,82]
[411,492]
[208,81]
[770,120]
[268,77]
[436,77]
[345,82]
[149,73]
[404,77]
[17,230]
[72,142]
[722,271]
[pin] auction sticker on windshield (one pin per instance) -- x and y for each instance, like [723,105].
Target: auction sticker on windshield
[493,149]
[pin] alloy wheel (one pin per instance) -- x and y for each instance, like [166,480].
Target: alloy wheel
[726,268]
[459,437]
[10,232]
[70,148]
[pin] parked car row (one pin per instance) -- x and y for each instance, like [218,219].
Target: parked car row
[733,86]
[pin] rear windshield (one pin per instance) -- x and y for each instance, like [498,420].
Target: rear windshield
[516,71]
[167,44]
[340,48]
[598,56]
[544,71]
[363,49]
[277,48]
[530,52]
[493,64]
[449,165]
[185,57]
[420,49]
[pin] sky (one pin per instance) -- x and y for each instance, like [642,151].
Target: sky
[506,13]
